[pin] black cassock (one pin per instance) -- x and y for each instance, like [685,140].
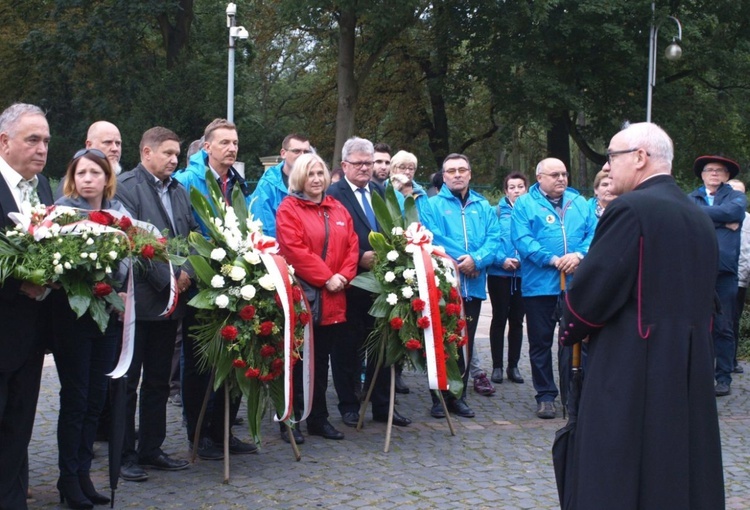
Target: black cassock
[648,429]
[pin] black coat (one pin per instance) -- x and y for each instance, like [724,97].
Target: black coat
[648,430]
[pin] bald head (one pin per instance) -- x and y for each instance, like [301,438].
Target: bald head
[106,137]
[737,185]
[636,153]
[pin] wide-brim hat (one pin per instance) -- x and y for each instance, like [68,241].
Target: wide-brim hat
[732,166]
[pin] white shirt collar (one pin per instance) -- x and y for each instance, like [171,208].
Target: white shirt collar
[354,187]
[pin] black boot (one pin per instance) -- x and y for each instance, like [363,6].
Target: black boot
[70,491]
[88,489]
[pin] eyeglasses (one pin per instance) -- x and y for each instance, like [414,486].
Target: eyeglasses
[360,164]
[556,175]
[407,167]
[626,151]
[452,171]
[715,170]
[299,151]
[95,152]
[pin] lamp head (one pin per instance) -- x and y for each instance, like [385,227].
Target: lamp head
[673,51]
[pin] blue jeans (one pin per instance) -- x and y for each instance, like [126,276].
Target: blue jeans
[726,289]
[540,324]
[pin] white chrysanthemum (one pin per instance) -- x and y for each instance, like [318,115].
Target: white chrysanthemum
[57,256]
[237,274]
[409,274]
[67,265]
[390,276]
[392,299]
[397,231]
[113,255]
[89,241]
[247,292]
[222,301]
[252,257]
[84,255]
[407,292]
[218,254]
[217,281]
[392,255]
[266,281]
[116,240]
[108,270]
[93,256]
[230,219]
[59,269]
[55,262]
[55,229]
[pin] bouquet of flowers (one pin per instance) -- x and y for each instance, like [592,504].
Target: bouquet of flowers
[418,311]
[252,318]
[79,250]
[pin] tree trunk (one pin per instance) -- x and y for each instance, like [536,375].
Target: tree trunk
[347,83]
[558,145]
[175,37]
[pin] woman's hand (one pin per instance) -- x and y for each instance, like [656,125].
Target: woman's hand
[336,283]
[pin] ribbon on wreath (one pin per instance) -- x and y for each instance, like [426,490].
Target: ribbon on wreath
[278,271]
[419,244]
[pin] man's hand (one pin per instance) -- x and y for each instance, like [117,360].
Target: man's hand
[367,260]
[732,226]
[183,282]
[466,265]
[511,264]
[336,283]
[568,263]
[32,290]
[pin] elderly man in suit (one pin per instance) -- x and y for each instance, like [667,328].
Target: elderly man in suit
[24,141]
[355,192]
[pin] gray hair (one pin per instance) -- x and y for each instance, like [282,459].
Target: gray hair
[651,138]
[455,155]
[9,118]
[356,144]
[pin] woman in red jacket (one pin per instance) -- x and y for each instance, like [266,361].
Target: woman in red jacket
[316,236]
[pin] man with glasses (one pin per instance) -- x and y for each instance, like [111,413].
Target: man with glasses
[726,208]
[551,227]
[273,186]
[355,191]
[381,163]
[465,224]
[648,432]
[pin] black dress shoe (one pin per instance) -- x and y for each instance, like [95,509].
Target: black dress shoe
[497,375]
[296,432]
[324,429]
[350,419]
[401,386]
[437,410]
[207,449]
[515,375]
[398,420]
[132,472]
[164,462]
[461,408]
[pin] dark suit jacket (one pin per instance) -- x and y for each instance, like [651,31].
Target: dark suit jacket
[342,192]
[19,335]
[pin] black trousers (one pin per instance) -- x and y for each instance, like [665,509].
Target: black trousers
[507,308]
[154,345]
[83,355]
[348,354]
[194,384]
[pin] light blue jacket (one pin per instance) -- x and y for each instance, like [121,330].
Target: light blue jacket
[194,176]
[507,250]
[539,234]
[472,229]
[267,197]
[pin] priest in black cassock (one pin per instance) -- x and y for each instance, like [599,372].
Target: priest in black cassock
[648,430]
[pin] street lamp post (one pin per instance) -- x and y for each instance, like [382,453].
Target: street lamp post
[234,34]
[673,52]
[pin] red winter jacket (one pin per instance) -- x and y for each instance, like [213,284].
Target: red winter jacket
[300,232]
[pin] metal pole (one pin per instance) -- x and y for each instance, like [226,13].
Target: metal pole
[230,73]
[651,61]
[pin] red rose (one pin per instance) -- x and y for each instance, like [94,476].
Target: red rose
[229,333]
[417,305]
[252,373]
[452,309]
[266,328]
[162,240]
[460,325]
[124,223]
[277,364]
[266,377]
[453,295]
[239,363]
[304,318]
[397,323]
[453,339]
[148,251]
[267,351]
[423,322]
[296,294]
[464,340]
[413,344]
[102,289]
[101,217]
[247,312]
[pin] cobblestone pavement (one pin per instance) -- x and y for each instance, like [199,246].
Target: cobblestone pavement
[500,459]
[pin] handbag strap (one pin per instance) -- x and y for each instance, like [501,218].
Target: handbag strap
[325,243]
